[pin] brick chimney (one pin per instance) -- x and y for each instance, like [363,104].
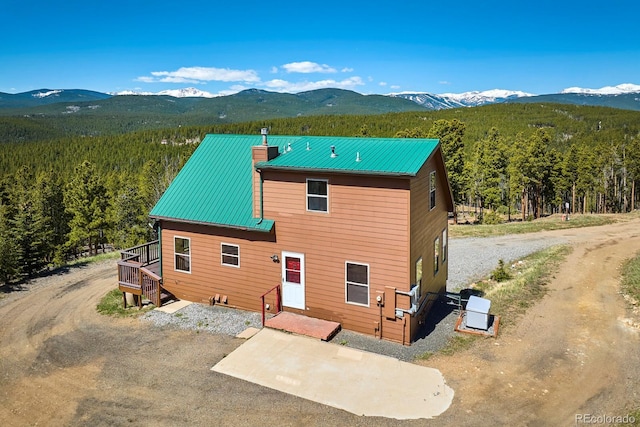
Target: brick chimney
[260,153]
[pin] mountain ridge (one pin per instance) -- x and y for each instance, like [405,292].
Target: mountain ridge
[623,96]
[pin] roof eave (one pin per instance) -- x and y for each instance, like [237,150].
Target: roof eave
[213,224]
[263,166]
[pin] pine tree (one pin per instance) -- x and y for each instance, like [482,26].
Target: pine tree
[451,133]
[29,225]
[48,198]
[86,202]
[8,254]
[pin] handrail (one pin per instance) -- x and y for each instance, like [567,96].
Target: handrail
[150,285]
[145,253]
[278,308]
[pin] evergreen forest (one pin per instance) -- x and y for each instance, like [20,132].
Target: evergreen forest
[66,191]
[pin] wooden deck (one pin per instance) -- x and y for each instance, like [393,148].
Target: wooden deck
[139,273]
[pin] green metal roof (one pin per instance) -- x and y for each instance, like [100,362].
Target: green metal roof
[215,186]
[374,156]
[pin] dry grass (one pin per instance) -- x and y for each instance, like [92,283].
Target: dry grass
[552,222]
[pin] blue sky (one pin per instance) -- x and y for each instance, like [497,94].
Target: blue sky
[371,47]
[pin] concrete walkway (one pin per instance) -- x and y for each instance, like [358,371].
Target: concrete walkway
[356,381]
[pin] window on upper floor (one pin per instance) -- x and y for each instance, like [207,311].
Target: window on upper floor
[318,195]
[182,254]
[432,190]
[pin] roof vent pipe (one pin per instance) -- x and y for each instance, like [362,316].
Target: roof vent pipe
[333,151]
[358,156]
[264,132]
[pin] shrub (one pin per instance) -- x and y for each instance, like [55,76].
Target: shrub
[500,274]
[502,210]
[492,218]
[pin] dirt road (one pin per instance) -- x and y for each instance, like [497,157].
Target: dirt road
[61,363]
[574,353]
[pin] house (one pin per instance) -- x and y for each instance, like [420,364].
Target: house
[352,230]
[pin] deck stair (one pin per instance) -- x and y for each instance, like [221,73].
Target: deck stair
[139,274]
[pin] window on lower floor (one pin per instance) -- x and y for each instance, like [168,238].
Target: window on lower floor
[436,255]
[419,278]
[444,245]
[230,254]
[182,253]
[357,283]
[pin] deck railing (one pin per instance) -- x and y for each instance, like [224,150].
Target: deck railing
[129,273]
[145,253]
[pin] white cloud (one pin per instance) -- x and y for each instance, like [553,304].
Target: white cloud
[280,85]
[201,75]
[444,82]
[382,83]
[395,86]
[347,70]
[370,78]
[274,70]
[308,67]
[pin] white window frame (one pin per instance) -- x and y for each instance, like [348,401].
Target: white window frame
[436,255]
[432,190]
[444,245]
[222,254]
[419,281]
[347,283]
[187,256]
[316,195]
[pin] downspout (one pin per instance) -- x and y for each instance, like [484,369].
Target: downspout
[160,247]
[261,204]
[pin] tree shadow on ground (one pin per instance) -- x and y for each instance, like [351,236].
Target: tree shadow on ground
[23,284]
[446,306]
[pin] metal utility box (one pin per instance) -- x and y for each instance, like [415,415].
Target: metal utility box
[478,312]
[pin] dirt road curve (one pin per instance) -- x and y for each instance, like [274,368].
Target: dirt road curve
[576,352]
[63,364]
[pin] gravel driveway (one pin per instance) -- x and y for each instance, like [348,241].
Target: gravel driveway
[472,259]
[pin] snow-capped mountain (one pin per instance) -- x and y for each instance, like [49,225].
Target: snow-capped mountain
[428,100]
[46,93]
[607,90]
[188,92]
[466,99]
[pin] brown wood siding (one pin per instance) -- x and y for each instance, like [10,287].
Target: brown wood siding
[367,223]
[427,225]
[208,277]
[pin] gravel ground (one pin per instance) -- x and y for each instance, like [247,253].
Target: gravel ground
[470,259]
[215,319]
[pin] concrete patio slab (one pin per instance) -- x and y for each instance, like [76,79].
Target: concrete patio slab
[248,333]
[356,381]
[172,307]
